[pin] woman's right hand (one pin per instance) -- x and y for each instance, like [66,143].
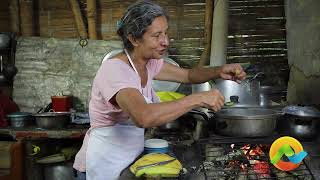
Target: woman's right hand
[212,99]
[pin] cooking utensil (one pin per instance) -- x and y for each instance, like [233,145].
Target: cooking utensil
[201,87]
[302,128]
[301,122]
[52,120]
[156,164]
[20,119]
[247,95]
[246,122]
[302,111]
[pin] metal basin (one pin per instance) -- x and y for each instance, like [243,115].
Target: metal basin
[20,119]
[246,122]
[52,120]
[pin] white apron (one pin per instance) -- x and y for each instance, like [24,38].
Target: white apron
[111,149]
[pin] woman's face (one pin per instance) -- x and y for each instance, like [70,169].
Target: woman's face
[154,42]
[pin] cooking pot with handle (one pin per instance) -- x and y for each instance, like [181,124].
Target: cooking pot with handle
[301,122]
[246,122]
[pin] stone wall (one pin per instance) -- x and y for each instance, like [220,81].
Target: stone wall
[48,66]
[303,40]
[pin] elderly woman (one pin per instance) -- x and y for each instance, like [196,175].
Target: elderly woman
[123,102]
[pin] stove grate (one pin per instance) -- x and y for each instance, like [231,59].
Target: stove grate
[243,161]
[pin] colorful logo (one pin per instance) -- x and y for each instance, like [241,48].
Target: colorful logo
[289,147]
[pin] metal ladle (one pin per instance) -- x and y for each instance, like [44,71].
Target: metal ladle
[247,82]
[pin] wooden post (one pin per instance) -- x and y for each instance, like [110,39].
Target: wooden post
[204,58]
[78,18]
[219,38]
[26,17]
[15,16]
[91,16]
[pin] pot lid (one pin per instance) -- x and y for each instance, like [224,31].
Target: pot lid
[303,111]
[156,143]
[18,114]
[50,114]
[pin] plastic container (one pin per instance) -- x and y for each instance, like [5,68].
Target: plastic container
[61,103]
[156,146]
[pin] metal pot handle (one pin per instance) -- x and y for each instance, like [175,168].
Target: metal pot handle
[197,112]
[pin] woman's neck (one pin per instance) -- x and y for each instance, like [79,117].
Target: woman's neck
[137,58]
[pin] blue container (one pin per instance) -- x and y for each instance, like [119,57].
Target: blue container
[156,146]
[156,150]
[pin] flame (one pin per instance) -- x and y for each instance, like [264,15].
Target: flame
[249,151]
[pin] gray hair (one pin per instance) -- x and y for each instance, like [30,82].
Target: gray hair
[136,20]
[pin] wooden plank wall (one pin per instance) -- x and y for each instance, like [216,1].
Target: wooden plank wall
[54,18]
[257,34]
[256,29]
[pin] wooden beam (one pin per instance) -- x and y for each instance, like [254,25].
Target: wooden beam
[204,58]
[15,16]
[91,16]
[26,17]
[78,18]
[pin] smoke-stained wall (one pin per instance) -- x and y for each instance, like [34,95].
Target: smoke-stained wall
[303,40]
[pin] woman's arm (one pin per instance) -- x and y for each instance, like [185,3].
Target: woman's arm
[171,72]
[151,115]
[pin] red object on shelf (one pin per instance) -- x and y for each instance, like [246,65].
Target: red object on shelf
[7,106]
[61,103]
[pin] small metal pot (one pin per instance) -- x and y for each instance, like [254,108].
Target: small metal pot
[303,128]
[301,122]
[52,120]
[246,122]
[20,119]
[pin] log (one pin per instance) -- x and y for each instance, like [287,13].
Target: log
[15,16]
[91,16]
[204,58]
[26,14]
[78,18]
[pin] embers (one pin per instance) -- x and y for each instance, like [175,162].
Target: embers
[231,161]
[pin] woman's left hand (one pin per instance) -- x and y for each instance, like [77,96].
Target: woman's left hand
[232,72]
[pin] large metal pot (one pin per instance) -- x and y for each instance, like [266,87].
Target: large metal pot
[52,120]
[246,122]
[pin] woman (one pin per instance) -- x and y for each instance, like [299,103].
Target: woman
[123,102]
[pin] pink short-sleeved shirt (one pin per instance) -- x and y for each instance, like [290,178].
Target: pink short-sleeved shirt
[112,76]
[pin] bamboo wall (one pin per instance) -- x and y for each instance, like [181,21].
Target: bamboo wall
[55,18]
